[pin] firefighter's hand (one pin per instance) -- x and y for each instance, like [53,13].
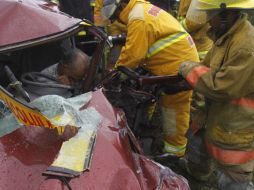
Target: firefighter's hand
[69,132]
[182,68]
[186,67]
[112,67]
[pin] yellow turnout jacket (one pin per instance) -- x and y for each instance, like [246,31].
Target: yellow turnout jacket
[155,39]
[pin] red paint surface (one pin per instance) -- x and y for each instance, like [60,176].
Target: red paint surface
[23,20]
[27,152]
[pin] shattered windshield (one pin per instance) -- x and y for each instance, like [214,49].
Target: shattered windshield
[75,154]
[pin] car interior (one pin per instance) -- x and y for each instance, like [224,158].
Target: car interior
[26,64]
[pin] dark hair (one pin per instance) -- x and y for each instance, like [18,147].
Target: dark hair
[70,59]
[70,56]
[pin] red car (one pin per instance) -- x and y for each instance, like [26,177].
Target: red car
[30,155]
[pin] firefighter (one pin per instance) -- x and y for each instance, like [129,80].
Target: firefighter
[98,20]
[197,31]
[112,29]
[157,42]
[225,78]
[203,43]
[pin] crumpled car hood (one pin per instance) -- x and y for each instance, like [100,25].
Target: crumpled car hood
[27,152]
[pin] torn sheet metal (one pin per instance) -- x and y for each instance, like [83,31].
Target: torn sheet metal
[27,152]
[54,111]
[75,154]
[160,177]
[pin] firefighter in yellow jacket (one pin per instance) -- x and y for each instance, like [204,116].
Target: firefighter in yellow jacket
[226,79]
[113,29]
[157,42]
[98,20]
[197,31]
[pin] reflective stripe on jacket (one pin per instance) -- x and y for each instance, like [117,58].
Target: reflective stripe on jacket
[226,79]
[92,3]
[156,41]
[232,157]
[177,150]
[152,30]
[165,42]
[202,54]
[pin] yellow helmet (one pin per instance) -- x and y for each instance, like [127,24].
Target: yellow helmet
[224,4]
[201,11]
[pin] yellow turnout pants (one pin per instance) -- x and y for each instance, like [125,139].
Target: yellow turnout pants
[175,110]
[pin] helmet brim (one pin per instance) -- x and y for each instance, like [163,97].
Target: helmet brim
[204,6]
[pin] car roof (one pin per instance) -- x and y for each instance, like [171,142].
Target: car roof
[25,23]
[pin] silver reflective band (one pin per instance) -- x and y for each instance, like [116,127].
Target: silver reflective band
[165,42]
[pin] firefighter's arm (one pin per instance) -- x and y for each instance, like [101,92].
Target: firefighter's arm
[233,80]
[136,46]
[116,28]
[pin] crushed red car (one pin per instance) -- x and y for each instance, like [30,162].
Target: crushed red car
[33,156]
